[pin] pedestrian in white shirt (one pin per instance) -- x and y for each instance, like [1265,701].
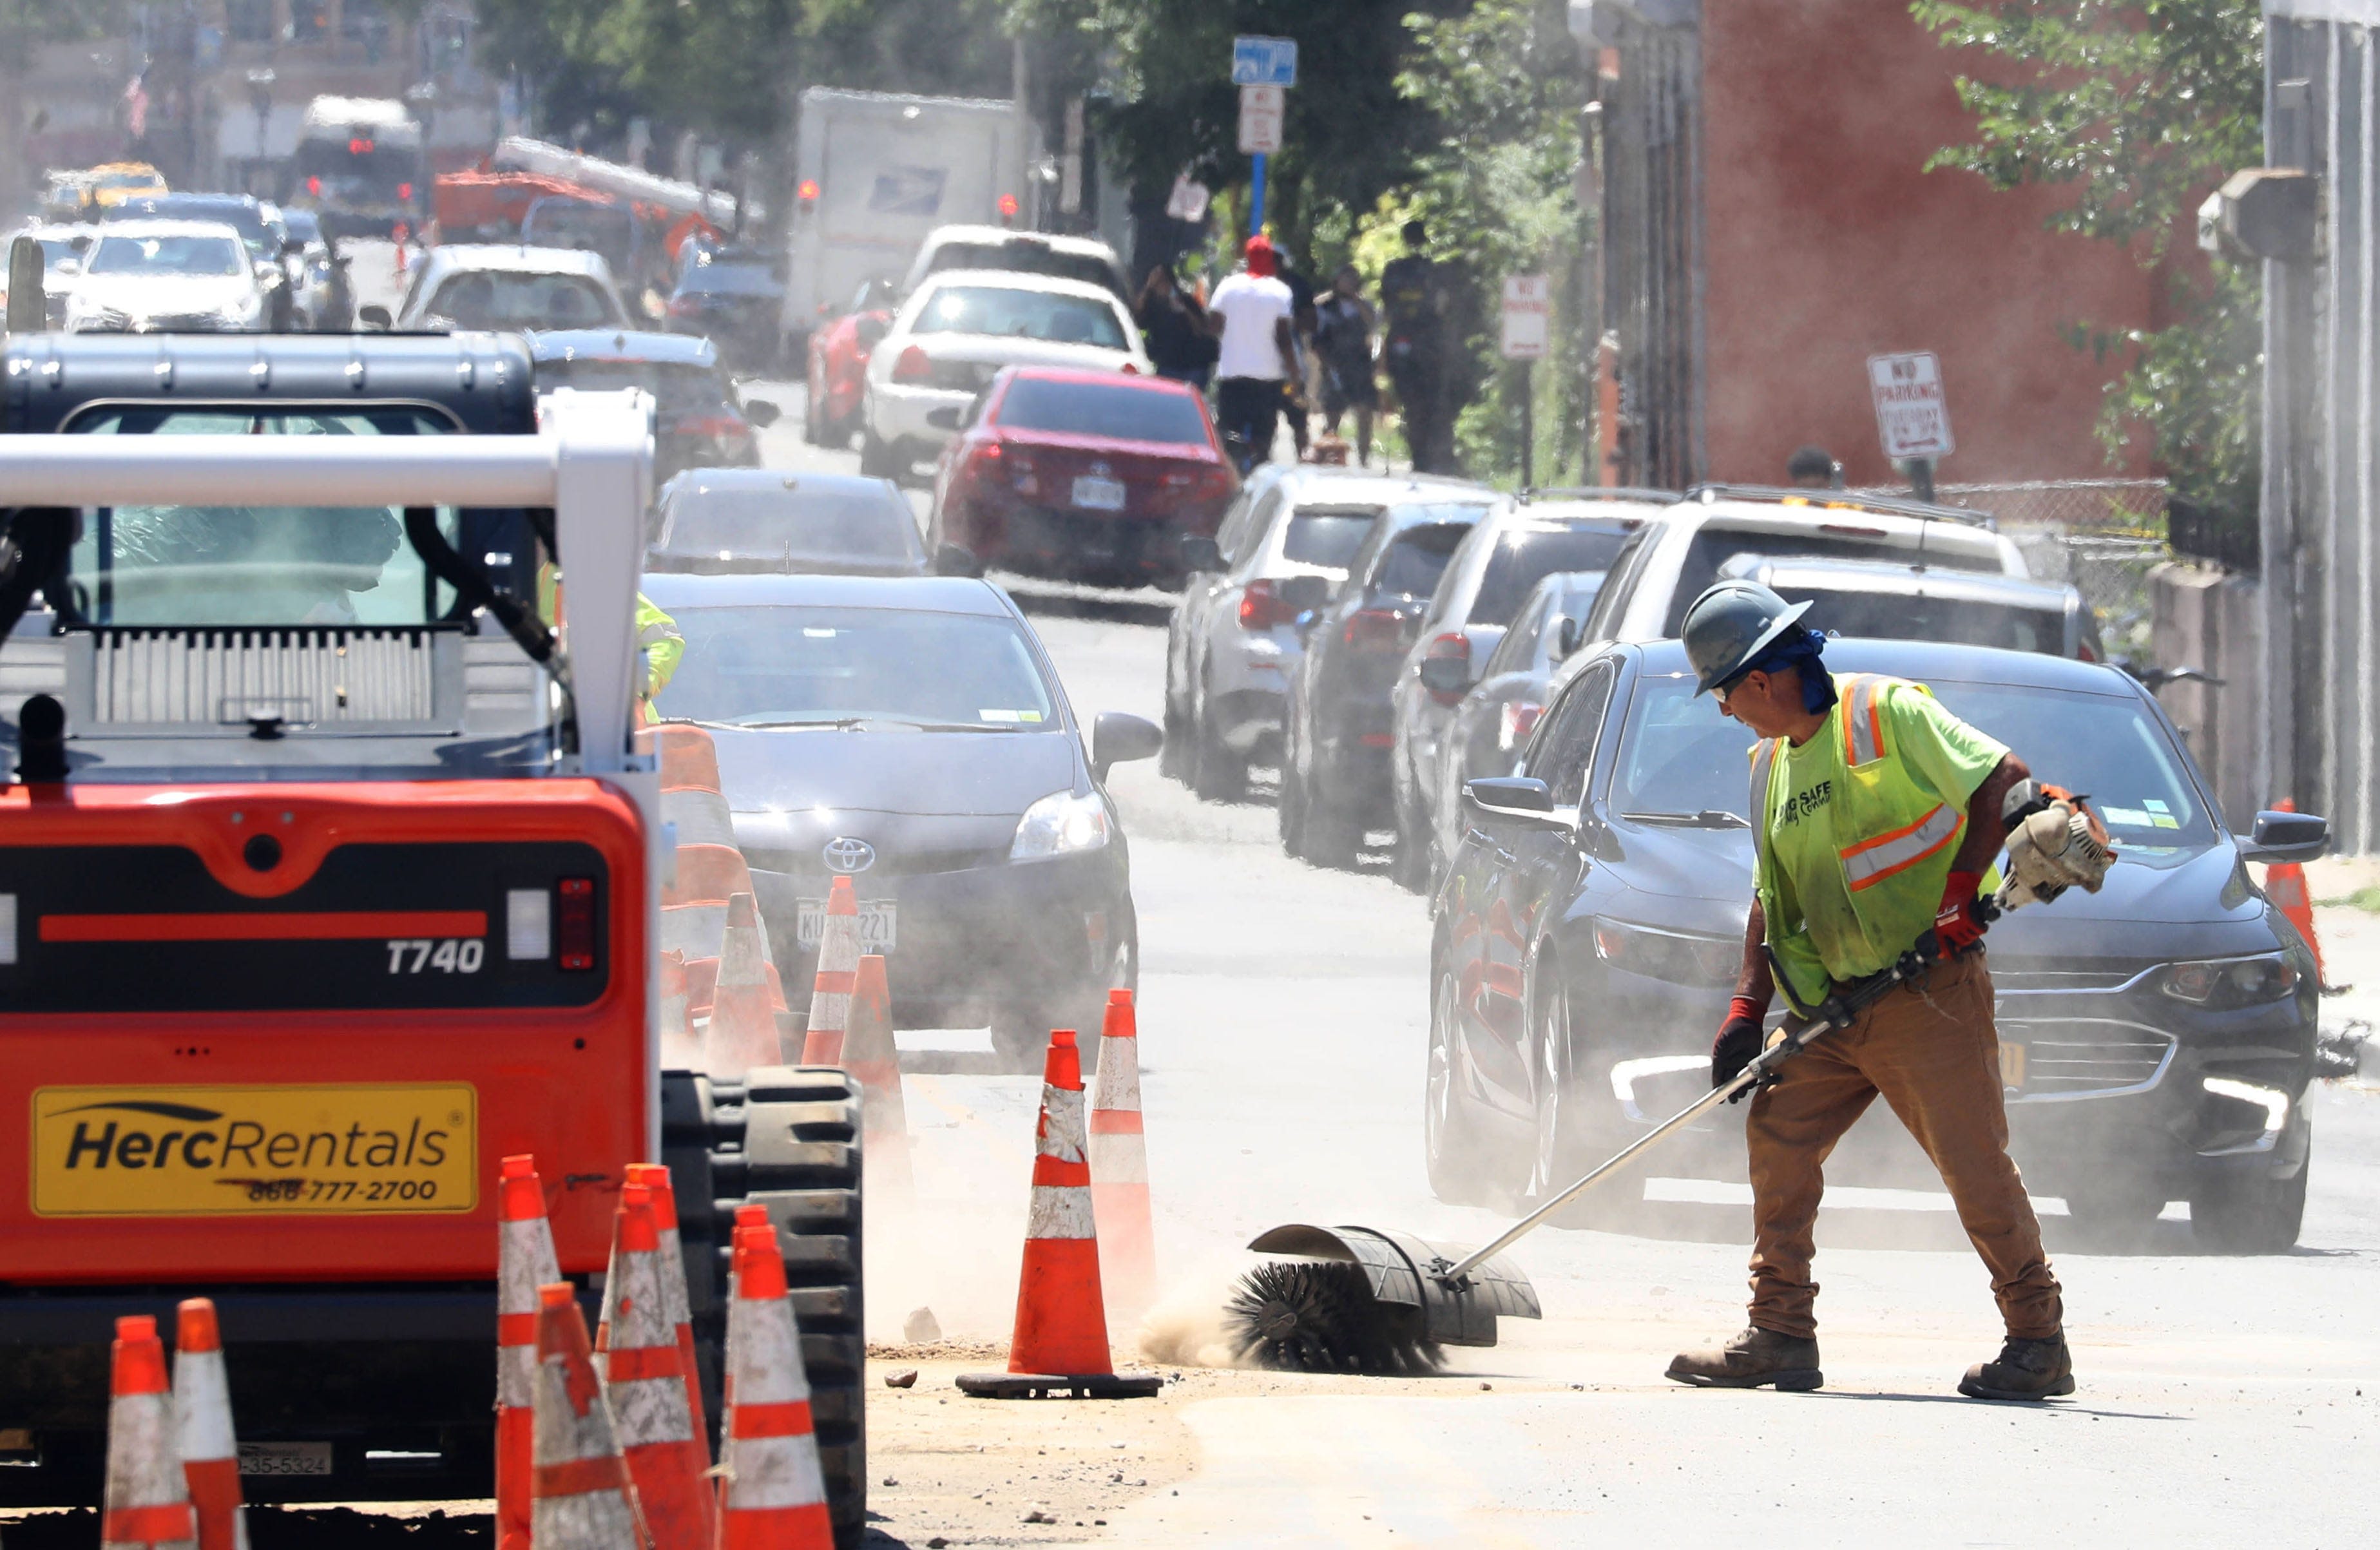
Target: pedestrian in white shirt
[1250,312]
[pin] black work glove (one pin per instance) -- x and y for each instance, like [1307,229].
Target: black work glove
[1738,1043]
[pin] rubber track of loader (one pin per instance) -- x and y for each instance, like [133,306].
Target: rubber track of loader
[789,1138]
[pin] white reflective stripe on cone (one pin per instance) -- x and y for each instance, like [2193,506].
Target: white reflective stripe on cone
[1061,1124]
[1061,1211]
[516,1376]
[650,1410]
[525,1262]
[202,1406]
[831,1009]
[143,1468]
[773,1472]
[1118,1159]
[702,817]
[768,1359]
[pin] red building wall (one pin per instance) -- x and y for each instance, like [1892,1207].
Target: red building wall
[1827,242]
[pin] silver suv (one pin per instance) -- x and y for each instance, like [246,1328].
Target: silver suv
[1233,645]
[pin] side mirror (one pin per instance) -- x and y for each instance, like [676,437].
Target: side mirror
[953,560]
[944,419]
[1565,638]
[761,412]
[1201,553]
[1527,803]
[1445,675]
[375,316]
[2286,837]
[870,330]
[1117,738]
[1304,594]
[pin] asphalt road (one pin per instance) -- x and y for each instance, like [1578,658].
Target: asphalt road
[1282,1016]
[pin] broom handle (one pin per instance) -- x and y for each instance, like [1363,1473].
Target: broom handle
[1833,1014]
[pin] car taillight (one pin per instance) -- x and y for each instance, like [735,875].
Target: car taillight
[1520,720]
[2085,652]
[1374,629]
[914,365]
[1450,648]
[314,187]
[404,191]
[1129,370]
[573,923]
[1260,606]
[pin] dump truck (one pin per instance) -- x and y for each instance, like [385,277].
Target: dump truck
[329,877]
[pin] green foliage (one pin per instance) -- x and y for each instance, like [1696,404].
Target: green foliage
[26,25]
[2140,107]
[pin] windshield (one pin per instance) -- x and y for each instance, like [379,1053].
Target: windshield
[511,300]
[1327,538]
[166,255]
[844,527]
[1524,558]
[184,565]
[803,665]
[1962,621]
[1125,414]
[678,390]
[1679,755]
[302,225]
[1025,258]
[1015,314]
[1715,545]
[245,219]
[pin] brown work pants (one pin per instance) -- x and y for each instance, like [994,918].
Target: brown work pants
[1933,1052]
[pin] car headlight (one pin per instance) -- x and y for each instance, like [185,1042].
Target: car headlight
[1060,824]
[2226,983]
[1679,957]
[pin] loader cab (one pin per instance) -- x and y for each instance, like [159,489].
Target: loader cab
[355,641]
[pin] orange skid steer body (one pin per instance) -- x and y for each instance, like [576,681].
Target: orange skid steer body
[326,881]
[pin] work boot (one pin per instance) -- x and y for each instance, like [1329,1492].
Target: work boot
[2026,1370]
[1756,1357]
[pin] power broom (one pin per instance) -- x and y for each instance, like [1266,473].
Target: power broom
[1361,1299]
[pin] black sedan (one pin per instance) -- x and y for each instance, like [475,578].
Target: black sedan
[698,419]
[911,733]
[2156,1037]
[741,521]
[730,295]
[1337,725]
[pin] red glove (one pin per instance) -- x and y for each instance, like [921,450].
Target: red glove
[1957,926]
[1739,1040]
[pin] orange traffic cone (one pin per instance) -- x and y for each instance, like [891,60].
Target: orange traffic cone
[524,1262]
[874,1061]
[1120,1164]
[202,1427]
[775,1495]
[743,1030]
[579,1496]
[148,1502]
[2285,884]
[688,757]
[655,1177]
[694,906]
[680,1050]
[838,963]
[645,1383]
[1061,1329]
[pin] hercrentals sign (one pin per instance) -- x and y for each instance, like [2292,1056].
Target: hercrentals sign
[243,1151]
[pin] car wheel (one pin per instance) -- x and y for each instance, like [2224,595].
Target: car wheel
[2113,1212]
[876,459]
[2250,1212]
[1173,755]
[1217,774]
[834,434]
[1290,805]
[1410,865]
[1334,836]
[1460,1170]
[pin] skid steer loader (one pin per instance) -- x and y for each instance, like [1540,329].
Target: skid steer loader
[328,878]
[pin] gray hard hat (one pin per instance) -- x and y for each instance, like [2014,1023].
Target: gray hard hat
[1730,625]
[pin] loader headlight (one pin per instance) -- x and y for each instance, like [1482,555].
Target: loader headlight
[2224,983]
[1060,824]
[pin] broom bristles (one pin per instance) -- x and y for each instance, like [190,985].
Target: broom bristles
[1317,1316]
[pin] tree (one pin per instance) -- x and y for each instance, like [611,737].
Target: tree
[2141,107]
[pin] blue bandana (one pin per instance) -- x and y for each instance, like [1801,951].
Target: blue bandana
[1801,649]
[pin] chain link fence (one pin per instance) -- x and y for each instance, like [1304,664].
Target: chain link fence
[2103,535]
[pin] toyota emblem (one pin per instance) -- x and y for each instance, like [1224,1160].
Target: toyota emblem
[847,855]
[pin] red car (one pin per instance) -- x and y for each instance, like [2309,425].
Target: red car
[1082,476]
[838,365]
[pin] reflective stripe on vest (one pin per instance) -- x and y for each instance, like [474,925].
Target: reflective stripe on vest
[1763,759]
[1862,721]
[1871,861]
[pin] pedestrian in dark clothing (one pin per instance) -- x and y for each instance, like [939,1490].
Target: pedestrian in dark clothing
[1296,400]
[1413,296]
[1180,343]
[1342,344]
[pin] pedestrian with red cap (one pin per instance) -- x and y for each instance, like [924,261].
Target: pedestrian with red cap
[1251,313]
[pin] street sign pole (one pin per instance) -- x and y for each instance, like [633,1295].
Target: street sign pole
[1528,425]
[1921,478]
[1255,197]
[1262,68]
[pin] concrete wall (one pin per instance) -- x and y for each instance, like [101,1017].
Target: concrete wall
[1827,242]
[2208,619]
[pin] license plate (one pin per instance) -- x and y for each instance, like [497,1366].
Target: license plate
[1099,494]
[879,924]
[255,1151]
[284,1457]
[2012,1066]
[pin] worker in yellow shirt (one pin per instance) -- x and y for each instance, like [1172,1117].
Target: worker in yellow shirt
[657,633]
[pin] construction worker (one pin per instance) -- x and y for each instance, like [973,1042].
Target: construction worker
[1877,819]
[657,633]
